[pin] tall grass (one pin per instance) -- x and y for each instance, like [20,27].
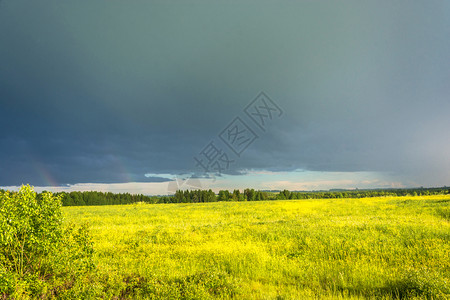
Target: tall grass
[380,248]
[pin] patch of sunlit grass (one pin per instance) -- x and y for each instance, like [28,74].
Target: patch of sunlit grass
[383,248]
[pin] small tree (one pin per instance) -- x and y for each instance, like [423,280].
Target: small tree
[224,195]
[35,248]
[237,196]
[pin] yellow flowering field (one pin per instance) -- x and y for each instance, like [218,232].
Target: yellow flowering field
[368,248]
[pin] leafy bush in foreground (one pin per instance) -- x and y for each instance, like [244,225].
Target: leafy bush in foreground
[38,256]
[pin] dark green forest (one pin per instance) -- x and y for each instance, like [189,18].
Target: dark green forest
[201,196]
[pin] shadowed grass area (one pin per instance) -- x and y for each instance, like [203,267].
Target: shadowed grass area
[444,212]
[380,248]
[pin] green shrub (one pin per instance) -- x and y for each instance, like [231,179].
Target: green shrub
[39,257]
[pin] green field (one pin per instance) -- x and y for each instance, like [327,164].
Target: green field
[378,248]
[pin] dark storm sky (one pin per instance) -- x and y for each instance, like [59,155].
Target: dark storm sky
[107,91]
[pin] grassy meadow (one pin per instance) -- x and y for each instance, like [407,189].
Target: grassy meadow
[379,248]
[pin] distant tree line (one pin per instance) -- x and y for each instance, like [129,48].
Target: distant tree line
[285,194]
[100,198]
[201,196]
[194,196]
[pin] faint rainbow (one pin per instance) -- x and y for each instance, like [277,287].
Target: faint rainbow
[121,167]
[44,173]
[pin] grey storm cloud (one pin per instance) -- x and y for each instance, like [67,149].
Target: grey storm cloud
[109,91]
